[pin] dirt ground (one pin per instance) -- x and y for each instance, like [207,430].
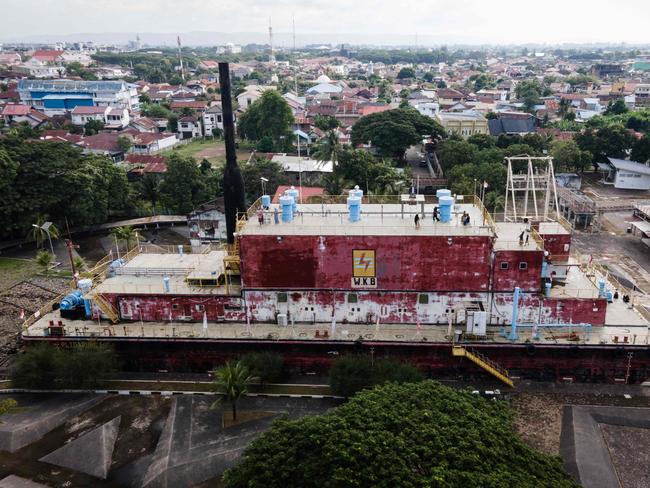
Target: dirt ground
[538,416]
[29,295]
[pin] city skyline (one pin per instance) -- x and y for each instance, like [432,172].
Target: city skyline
[380,23]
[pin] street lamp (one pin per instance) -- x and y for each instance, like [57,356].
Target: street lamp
[46,227]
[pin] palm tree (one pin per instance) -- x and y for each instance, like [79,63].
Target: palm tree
[126,233]
[39,234]
[44,259]
[232,380]
[79,263]
[335,184]
[328,148]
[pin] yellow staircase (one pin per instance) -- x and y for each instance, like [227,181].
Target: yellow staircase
[106,307]
[490,366]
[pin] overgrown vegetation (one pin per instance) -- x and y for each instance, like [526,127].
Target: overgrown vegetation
[46,366]
[351,374]
[267,367]
[407,436]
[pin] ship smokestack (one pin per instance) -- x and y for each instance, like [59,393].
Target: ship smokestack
[233,183]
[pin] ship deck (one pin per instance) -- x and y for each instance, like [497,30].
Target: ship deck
[389,219]
[635,331]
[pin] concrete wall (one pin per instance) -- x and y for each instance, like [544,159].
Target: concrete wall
[558,245]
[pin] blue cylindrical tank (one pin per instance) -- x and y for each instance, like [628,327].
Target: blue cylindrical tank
[544,269]
[87,306]
[354,204]
[443,193]
[295,194]
[601,288]
[166,284]
[111,271]
[610,296]
[286,202]
[547,289]
[446,204]
[266,201]
[72,300]
[357,192]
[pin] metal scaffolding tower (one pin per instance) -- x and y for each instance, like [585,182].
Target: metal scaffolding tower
[538,180]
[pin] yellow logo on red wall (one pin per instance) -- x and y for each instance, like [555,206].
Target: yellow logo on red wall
[364,264]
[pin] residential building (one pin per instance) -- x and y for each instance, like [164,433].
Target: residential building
[642,95]
[117,118]
[251,95]
[81,115]
[144,124]
[10,59]
[60,96]
[213,119]
[188,128]
[303,169]
[464,124]
[14,113]
[148,143]
[197,106]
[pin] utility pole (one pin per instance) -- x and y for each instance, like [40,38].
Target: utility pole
[71,246]
[629,365]
[180,57]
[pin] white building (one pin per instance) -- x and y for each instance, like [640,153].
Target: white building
[82,115]
[212,119]
[629,175]
[251,95]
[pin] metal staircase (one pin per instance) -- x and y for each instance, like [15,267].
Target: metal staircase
[106,307]
[488,365]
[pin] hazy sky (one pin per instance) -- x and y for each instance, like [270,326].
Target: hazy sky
[449,21]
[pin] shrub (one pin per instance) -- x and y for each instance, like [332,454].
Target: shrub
[268,367]
[350,374]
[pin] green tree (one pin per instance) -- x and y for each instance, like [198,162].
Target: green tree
[125,233]
[8,405]
[394,131]
[350,374]
[85,365]
[183,187]
[405,73]
[149,189]
[93,126]
[258,168]
[482,141]
[39,235]
[641,150]
[37,367]
[232,381]
[529,92]
[124,143]
[334,184]
[568,156]
[269,116]
[328,148]
[454,152]
[44,259]
[267,367]
[410,435]
[609,141]
[326,122]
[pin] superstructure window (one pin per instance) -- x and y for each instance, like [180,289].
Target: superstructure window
[282,298]
[523,265]
[423,298]
[504,265]
[352,298]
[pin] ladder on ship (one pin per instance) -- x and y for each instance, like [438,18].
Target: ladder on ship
[106,307]
[488,365]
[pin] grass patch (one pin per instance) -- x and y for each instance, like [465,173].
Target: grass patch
[14,270]
[192,148]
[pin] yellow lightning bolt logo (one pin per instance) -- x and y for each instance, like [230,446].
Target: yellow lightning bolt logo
[364,263]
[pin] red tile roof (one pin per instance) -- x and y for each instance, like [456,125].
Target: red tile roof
[199,105]
[307,192]
[81,110]
[147,163]
[15,109]
[47,56]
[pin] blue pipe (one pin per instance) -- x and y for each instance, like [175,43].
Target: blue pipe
[515,313]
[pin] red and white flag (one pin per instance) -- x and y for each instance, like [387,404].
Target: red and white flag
[22,314]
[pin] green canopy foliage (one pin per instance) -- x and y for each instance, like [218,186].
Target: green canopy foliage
[394,131]
[268,117]
[54,180]
[409,436]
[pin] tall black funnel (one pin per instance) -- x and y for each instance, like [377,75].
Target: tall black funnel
[233,183]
